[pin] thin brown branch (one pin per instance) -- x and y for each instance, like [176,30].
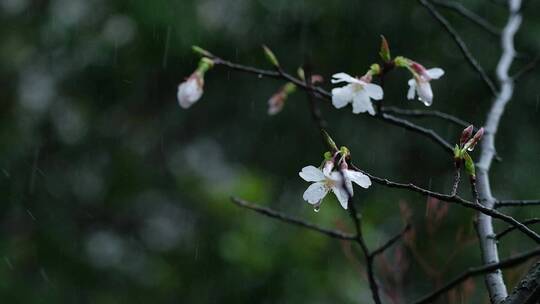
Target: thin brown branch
[293,220]
[512,228]
[457,178]
[426,113]
[461,44]
[527,68]
[429,133]
[516,203]
[454,199]
[391,241]
[470,15]
[365,250]
[479,270]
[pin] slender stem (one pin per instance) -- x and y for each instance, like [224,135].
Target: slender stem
[391,241]
[293,220]
[510,229]
[479,270]
[461,44]
[367,255]
[457,178]
[454,199]
[429,133]
[470,15]
[426,113]
[527,68]
[516,203]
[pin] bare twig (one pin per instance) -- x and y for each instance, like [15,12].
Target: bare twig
[473,271]
[527,68]
[461,44]
[516,203]
[429,133]
[426,113]
[391,241]
[511,228]
[293,220]
[470,15]
[455,186]
[454,199]
[367,255]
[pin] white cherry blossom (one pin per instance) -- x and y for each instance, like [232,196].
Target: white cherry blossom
[325,181]
[190,91]
[358,92]
[420,83]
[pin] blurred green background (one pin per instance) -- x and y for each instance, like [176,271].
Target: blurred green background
[111,193]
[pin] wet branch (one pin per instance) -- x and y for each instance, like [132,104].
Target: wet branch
[516,203]
[511,228]
[479,270]
[461,44]
[391,241]
[427,113]
[527,68]
[293,220]
[454,199]
[470,15]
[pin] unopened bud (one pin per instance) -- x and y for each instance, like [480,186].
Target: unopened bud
[466,135]
[385,50]
[469,165]
[270,56]
[330,142]
[473,141]
[301,74]
[200,51]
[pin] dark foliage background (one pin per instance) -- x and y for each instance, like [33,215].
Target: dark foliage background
[111,193]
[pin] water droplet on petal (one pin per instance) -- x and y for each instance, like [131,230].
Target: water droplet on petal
[317,208]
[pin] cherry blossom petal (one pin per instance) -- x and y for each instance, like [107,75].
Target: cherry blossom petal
[341,195]
[374,91]
[189,92]
[412,89]
[343,77]
[358,178]
[362,103]
[425,94]
[312,174]
[342,96]
[435,73]
[315,193]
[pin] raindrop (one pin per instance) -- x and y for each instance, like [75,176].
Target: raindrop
[317,208]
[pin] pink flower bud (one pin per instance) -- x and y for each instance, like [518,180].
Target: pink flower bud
[190,91]
[466,135]
[473,141]
[276,102]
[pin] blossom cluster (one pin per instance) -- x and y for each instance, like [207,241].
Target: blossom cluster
[334,174]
